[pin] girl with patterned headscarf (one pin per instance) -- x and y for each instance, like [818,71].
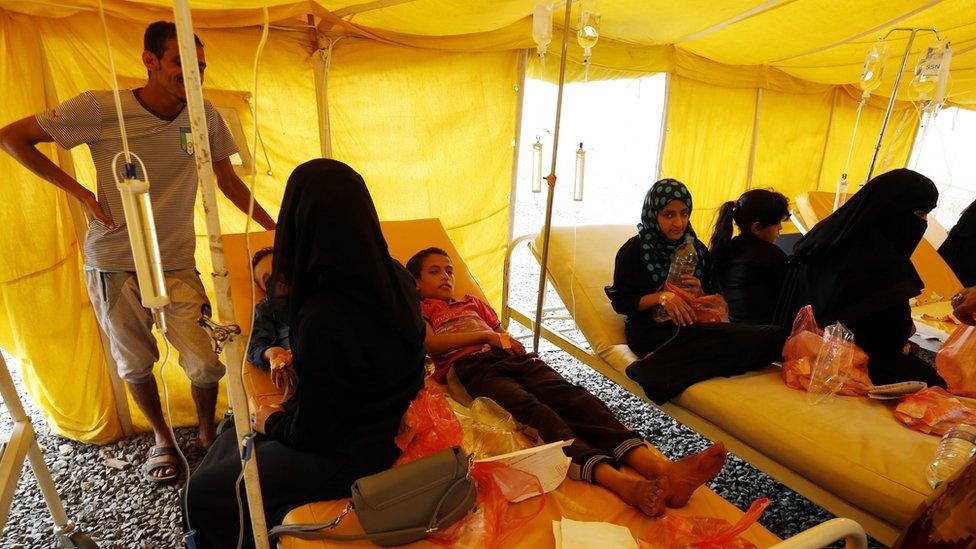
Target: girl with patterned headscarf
[677,353]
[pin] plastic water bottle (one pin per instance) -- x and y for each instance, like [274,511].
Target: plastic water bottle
[683,263]
[956,449]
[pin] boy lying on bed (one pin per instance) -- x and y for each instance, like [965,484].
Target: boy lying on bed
[466,335]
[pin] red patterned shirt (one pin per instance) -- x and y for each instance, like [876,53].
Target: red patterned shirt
[465,315]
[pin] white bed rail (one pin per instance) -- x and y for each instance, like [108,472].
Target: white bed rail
[827,533]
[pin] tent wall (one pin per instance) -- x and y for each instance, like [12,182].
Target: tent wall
[430,131]
[423,101]
[722,141]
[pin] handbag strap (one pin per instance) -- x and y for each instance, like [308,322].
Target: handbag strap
[317,531]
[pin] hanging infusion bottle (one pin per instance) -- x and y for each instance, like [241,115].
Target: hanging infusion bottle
[537,165]
[931,75]
[542,29]
[873,71]
[587,36]
[141,226]
[580,172]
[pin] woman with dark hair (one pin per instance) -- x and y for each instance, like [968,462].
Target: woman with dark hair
[749,268]
[959,248]
[855,267]
[358,343]
[677,353]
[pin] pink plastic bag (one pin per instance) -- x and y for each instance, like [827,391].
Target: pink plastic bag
[679,532]
[428,426]
[933,411]
[800,354]
[956,361]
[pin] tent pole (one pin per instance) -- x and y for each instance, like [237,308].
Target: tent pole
[520,87]
[320,65]
[204,162]
[755,138]
[551,181]
[664,126]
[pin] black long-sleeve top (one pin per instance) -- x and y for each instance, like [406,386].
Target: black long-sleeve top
[356,376]
[749,272]
[631,282]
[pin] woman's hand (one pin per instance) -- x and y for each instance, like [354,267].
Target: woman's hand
[259,417]
[692,285]
[678,309]
[964,306]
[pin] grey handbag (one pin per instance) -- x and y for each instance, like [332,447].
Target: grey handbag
[403,504]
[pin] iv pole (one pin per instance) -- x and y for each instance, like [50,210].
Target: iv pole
[235,385]
[551,181]
[894,91]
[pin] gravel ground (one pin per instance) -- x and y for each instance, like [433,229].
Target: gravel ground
[118,508]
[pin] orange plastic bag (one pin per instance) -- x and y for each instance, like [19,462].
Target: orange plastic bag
[933,411]
[678,532]
[491,525]
[708,308]
[800,354]
[428,426]
[956,361]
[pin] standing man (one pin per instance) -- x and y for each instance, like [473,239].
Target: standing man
[158,129]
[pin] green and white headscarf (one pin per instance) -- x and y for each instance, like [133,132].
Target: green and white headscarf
[656,248]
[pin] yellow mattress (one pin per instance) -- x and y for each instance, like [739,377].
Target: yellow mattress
[573,499]
[852,448]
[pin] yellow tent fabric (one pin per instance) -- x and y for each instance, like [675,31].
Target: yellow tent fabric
[422,99]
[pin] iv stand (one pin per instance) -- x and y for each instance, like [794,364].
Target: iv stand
[894,91]
[551,181]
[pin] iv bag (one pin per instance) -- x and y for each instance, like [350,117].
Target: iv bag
[931,75]
[873,70]
[589,32]
[542,26]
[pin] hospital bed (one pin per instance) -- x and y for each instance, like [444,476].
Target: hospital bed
[573,499]
[849,455]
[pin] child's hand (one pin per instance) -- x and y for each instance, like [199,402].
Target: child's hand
[517,348]
[282,372]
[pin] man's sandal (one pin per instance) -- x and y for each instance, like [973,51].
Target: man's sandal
[161,457]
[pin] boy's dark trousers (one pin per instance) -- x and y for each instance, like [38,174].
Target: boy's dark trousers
[537,396]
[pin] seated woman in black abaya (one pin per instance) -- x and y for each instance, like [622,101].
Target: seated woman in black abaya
[358,343]
[677,353]
[959,248]
[855,267]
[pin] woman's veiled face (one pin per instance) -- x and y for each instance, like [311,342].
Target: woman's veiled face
[673,219]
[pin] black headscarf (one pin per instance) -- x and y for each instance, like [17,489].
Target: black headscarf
[329,237]
[357,333]
[959,248]
[857,261]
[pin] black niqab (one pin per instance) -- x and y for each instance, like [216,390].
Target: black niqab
[959,248]
[857,261]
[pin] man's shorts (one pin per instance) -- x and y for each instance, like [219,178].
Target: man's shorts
[128,325]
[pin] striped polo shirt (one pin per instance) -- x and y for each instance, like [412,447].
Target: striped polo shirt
[166,150]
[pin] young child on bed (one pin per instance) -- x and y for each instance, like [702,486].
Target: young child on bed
[270,346]
[466,335]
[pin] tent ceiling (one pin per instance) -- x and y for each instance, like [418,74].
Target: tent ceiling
[820,41]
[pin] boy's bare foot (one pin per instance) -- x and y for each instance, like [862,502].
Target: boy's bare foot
[690,472]
[647,495]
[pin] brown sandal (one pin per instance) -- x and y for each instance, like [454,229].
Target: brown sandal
[161,457]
